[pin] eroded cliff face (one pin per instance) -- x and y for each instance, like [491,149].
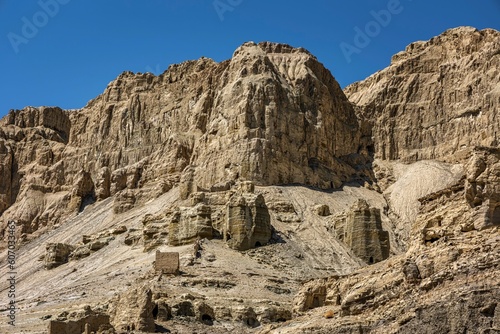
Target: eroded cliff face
[271,114]
[447,281]
[434,113]
[437,98]
[258,174]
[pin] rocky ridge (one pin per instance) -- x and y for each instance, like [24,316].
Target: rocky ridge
[266,179]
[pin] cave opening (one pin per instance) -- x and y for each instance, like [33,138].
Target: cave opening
[155,312]
[207,319]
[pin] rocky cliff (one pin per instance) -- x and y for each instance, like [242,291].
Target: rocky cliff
[291,206]
[434,119]
[437,98]
[271,114]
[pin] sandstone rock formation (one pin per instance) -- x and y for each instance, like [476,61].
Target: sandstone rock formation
[364,233]
[188,224]
[86,321]
[270,192]
[437,98]
[223,121]
[134,311]
[57,254]
[248,222]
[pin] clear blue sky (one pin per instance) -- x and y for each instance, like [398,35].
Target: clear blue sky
[65,55]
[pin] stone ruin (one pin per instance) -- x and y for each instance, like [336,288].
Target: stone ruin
[240,217]
[167,263]
[90,322]
[248,223]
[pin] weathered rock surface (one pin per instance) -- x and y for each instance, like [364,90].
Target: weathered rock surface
[86,321]
[248,222]
[364,233]
[57,254]
[134,311]
[255,175]
[447,282]
[437,98]
[224,121]
[188,224]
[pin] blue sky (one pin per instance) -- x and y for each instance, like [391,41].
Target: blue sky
[64,52]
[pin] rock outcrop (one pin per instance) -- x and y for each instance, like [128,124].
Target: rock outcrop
[376,214]
[134,311]
[364,233]
[437,98]
[483,187]
[86,321]
[188,224]
[271,114]
[57,254]
[248,222]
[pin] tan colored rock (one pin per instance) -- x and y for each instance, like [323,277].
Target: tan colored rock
[284,211]
[83,192]
[83,322]
[204,148]
[437,98]
[47,117]
[133,310]
[57,254]
[482,189]
[364,233]
[190,223]
[201,124]
[124,201]
[248,222]
[155,231]
[6,158]
[103,183]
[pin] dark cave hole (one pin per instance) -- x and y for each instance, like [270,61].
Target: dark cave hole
[258,244]
[87,200]
[371,260]
[207,320]
[155,312]
[252,322]
[432,240]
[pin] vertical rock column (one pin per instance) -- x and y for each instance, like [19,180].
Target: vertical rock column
[364,234]
[248,221]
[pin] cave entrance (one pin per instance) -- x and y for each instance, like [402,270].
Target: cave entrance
[371,260]
[252,322]
[155,312]
[207,319]
[258,244]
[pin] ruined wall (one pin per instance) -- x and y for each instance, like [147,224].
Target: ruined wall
[167,263]
[86,325]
